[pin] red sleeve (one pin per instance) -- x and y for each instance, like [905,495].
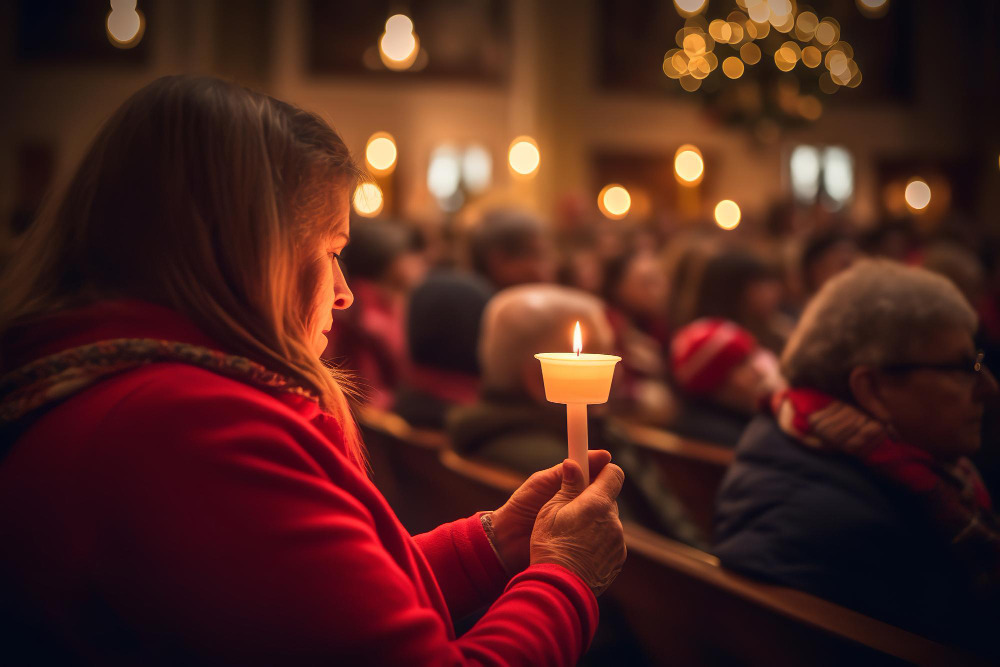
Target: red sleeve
[466,567]
[223,537]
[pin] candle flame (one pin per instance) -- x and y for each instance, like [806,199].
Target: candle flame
[577,340]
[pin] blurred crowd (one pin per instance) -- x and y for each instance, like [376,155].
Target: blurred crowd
[699,317]
[748,339]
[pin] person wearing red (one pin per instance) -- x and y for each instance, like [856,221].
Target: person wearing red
[180,478]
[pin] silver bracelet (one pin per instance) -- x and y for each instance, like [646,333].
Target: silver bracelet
[486,518]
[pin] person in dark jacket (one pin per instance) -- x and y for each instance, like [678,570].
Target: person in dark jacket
[858,488]
[442,330]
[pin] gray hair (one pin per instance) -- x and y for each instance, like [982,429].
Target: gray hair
[524,320]
[876,313]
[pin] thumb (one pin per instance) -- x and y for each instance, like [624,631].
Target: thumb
[572,481]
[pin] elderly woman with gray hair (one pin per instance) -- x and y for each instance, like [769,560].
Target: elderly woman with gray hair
[857,487]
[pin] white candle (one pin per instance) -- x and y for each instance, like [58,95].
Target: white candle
[577,380]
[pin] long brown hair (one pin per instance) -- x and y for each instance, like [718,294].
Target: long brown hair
[210,199]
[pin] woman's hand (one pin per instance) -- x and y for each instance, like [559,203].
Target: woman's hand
[513,523]
[579,528]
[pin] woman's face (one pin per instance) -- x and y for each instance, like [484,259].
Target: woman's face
[643,288]
[333,292]
[935,408]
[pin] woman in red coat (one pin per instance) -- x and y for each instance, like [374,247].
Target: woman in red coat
[180,477]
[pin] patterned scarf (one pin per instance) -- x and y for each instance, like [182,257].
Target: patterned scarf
[59,376]
[953,495]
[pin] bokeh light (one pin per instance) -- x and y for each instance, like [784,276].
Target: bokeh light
[689,7]
[125,24]
[727,214]
[732,67]
[873,8]
[380,152]
[810,107]
[811,57]
[399,24]
[838,175]
[477,168]
[917,194]
[614,201]
[398,46]
[444,174]
[368,200]
[750,53]
[758,11]
[524,156]
[689,166]
[804,167]
[827,32]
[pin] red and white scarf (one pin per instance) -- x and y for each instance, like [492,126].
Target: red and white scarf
[953,495]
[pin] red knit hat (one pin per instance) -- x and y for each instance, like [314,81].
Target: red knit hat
[703,353]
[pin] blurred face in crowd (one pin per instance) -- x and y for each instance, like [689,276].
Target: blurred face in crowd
[936,402]
[406,271]
[761,299]
[332,292]
[534,263]
[754,379]
[837,258]
[643,286]
[584,270]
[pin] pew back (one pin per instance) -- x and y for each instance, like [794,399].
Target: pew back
[693,470]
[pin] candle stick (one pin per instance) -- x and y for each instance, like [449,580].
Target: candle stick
[577,380]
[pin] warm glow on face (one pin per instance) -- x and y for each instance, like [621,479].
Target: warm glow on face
[727,214]
[917,195]
[614,201]
[380,153]
[688,165]
[524,156]
[577,340]
[125,24]
[368,200]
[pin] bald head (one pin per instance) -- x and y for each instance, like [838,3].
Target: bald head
[522,321]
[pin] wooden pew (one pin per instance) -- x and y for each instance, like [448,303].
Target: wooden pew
[693,470]
[686,609]
[402,460]
[681,605]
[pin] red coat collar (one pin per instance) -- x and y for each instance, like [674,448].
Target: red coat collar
[105,320]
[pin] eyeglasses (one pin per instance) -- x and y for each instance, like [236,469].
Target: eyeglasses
[971,366]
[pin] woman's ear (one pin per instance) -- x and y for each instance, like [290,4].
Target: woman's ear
[864,383]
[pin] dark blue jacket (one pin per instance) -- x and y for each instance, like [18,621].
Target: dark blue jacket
[825,524]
